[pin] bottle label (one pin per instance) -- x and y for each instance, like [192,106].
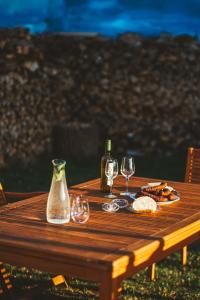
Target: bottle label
[110,169]
[110,173]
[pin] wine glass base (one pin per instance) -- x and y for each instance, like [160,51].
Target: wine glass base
[122,203]
[125,194]
[110,196]
[110,207]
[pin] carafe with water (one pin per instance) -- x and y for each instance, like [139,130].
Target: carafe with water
[58,203]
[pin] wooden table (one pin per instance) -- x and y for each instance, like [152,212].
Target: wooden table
[109,247]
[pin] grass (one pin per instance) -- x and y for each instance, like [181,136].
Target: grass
[172,282]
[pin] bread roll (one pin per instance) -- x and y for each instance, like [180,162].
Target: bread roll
[143,204]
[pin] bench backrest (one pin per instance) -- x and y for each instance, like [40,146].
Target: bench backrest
[192,174]
[3,200]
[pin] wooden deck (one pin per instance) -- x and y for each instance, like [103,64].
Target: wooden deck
[110,246]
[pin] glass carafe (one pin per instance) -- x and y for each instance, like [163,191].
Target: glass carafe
[58,203]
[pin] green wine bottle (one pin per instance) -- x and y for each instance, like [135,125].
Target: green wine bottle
[104,180]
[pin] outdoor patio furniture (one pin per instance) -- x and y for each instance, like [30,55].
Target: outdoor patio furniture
[192,175]
[110,246]
[6,286]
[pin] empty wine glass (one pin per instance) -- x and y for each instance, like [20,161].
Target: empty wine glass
[80,211]
[111,171]
[127,170]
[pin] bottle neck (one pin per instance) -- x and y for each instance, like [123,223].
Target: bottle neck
[107,153]
[58,175]
[58,169]
[108,147]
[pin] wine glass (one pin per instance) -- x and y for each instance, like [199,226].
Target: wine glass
[80,210]
[127,170]
[111,171]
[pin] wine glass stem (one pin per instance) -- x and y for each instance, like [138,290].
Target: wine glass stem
[111,185]
[127,185]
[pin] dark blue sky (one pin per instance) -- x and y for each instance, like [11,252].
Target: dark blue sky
[108,17]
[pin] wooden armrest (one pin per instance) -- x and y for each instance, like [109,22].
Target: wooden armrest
[18,196]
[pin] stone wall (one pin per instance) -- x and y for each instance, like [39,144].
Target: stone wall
[142,92]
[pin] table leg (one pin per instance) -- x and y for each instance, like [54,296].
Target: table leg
[152,272]
[184,255]
[109,288]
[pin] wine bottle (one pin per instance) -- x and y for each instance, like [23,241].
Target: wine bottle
[105,187]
